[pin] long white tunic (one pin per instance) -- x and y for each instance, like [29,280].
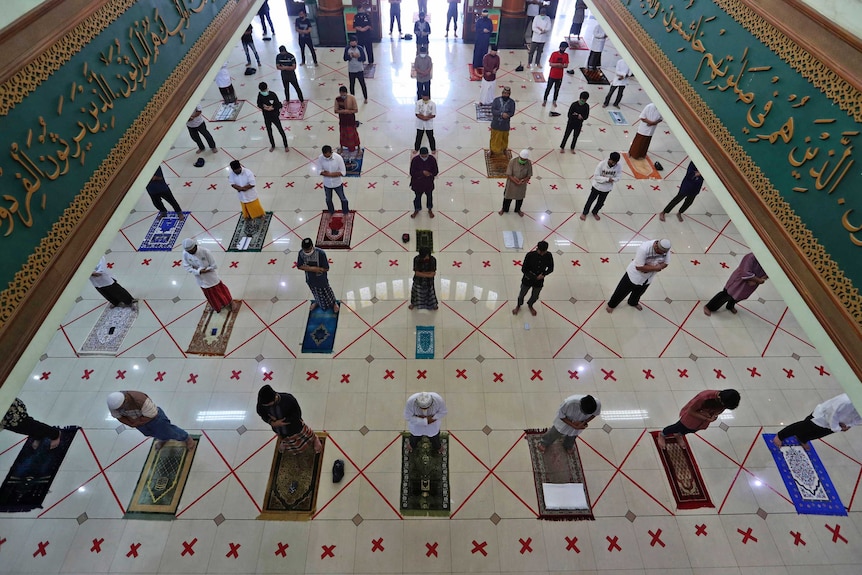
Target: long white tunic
[419,426]
[194,263]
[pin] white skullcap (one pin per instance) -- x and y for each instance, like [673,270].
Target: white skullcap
[116,399]
[189,243]
[665,244]
[424,400]
[525,154]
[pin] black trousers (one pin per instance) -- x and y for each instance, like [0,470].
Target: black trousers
[35,429]
[804,430]
[572,127]
[228,94]
[305,40]
[598,197]
[288,79]
[553,83]
[452,16]
[167,196]
[619,90]
[508,202]
[431,141]
[368,45]
[271,121]
[534,297]
[594,60]
[116,294]
[354,76]
[627,288]
[423,88]
[719,300]
[199,131]
[689,200]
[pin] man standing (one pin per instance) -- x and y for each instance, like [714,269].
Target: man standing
[303,30]
[541,32]
[578,112]
[136,409]
[689,188]
[649,118]
[490,65]
[532,10]
[518,174]
[607,173]
[346,109]
[394,13]
[424,71]
[484,29]
[578,19]
[651,257]
[242,180]
[200,263]
[281,411]
[558,62]
[354,55]
[421,29]
[422,293]
[315,264]
[286,62]
[502,110]
[831,416]
[573,416]
[699,412]
[362,25]
[198,127]
[159,190]
[270,105]
[264,16]
[248,42]
[618,84]
[537,265]
[423,170]
[426,111]
[110,288]
[332,169]
[594,60]
[452,16]
[423,413]
[742,282]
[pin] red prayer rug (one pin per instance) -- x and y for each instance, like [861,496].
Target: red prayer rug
[293,110]
[683,474]
[578,44]
[335,231]
[539,78]
[474,75]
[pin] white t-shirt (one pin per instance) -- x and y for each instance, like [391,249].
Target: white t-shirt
[571,410]
[832,412]
[542,28]
[621,74]
[424,108]
[334,163]
[646,255]
[651,113]
[194,263]
[244,178]
[197,120]
[599,37]
[104,278]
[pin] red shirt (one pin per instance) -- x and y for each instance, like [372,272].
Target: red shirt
[558,58]
[701,403]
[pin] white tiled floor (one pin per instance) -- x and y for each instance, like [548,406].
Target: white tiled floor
[643,365]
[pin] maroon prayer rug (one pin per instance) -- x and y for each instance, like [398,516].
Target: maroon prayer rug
[683,474]
[335,230]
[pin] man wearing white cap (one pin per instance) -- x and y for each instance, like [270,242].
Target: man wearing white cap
[423,413]
[136,409]
[518,174]
[200,263]
[651,258]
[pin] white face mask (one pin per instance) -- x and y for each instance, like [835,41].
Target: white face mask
[423,55]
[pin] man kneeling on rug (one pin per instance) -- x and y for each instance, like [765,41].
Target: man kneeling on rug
[200,263]
[315,264]
[136,409]
[573,416]
[19,421]
[282,412]
[423,413]
[697,414]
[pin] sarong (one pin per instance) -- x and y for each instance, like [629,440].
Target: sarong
[639,146]
[252,210]
[218,296]
[297,443]
[499,141]
[348,135]
[423,295]
[323,296]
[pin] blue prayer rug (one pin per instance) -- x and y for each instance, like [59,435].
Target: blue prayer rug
[30,478]
[617,118]
[353,162]
[320,331]
[163,233]
[424,342]
[806,479]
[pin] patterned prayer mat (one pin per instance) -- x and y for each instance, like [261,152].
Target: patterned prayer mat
[369,70]
[424,342]
[475,75]
[642,169]
[320,331]
[293,110]
[424,239]
[110,330]
[291,494]
[163,233]
[29,480]
[335,230]
[228,112]
[539,78]
[595,76]
[806,479]
[579,44]
[162,480]
[353,162]
[425,479]
[683,474]
[617,118]
[413,70]
[250,235]
[496,165]
[513,240]
[483,113]
[555,466]
[213,331]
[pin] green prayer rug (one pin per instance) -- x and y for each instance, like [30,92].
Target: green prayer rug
[163,478]
[425,479]
[294,481]
[250,235]
[424,239]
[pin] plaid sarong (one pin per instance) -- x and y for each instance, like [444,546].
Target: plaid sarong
[298,442]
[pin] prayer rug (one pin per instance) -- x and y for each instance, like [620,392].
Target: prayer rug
[557,467]
[213,331]
[162,480]
[617,118]
[539,78]
[642,169]
[110,330]
[683,474]
[320,331]
[425,479]
[806,479]
[228,112]
[424,239]
[294,479]
[595,76]
[293,110]
[496,165]
[513,240]
[412,70]
[335,230]
[163,233]
[424,342]
[483,113]
[369,70]
[29,480]
[475,76]
[353,162]
[579,44]
[250,235]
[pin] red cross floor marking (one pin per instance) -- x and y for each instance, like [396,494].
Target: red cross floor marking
[700,530]
[695,262]
[579,186]
[477,328]
[235,374]
[608,375]
[498,377]
[525,545]
[396,183]
[820,369]
[648,374]
[234,550]
[193,378]
[371,328]
[656,188]
[461,373]
[146,261]
[432,549]
[272,262]
[282,549]
[501,184]
[357,265]
[421,374]
[456,264]
[267,185]
[133,550]
[318,186]
[719,374]
[746,535]
[479,548]
[486,264]
[573,374]
[612,543]
[449,184]
[309,375]
[537,374]
[289,184]
[308,128]
[187,184]
[836,533]
[234,264]
[571,544]
[327,551]
[797,538]
[683,373]
[97,545]
[630,187]
[724,265]
[753,372]
[656,538]
[576,263]
[189,547]
[377,545]
[553,186]
[474,182]
[393,263]
[2,541]
[345,378]
[42,550]
[470,231]
[390,374]
[517,263]
[177,263]
[87,373]
[371,185]
[788,373]
[121,374]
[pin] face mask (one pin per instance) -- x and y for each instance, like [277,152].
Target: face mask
[423,55]
[264,93]
[522,161]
